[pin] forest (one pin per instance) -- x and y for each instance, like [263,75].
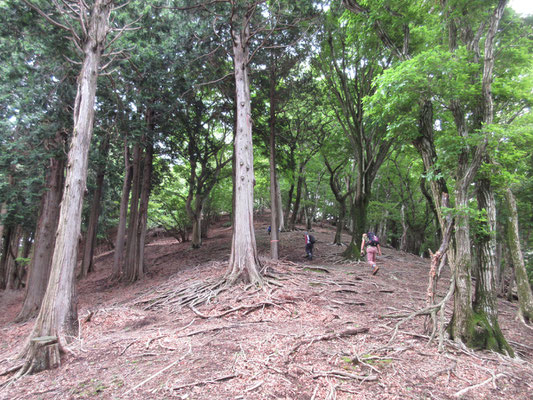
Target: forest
[162,163]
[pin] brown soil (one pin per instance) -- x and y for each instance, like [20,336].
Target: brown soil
[319,331]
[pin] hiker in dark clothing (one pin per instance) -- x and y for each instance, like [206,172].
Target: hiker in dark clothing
[370,244]
[309,244]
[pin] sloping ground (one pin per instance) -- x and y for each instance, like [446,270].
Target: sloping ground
[317,332]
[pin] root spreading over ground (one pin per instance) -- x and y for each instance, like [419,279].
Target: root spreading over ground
[321,329]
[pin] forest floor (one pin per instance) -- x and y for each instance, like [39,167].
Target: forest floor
[320,330]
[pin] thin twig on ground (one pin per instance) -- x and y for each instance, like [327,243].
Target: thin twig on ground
[198,383]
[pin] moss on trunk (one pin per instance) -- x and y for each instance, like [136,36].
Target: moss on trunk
[480,334]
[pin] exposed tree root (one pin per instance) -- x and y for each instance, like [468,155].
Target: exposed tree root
[335,335]
[43,353]
[344,375]
[158,373]
[492,379]
[429,310]
[198,383]
[248,309]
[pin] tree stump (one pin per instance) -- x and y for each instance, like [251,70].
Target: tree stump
[43,354]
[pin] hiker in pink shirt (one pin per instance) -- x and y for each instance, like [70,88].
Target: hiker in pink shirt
[370,244]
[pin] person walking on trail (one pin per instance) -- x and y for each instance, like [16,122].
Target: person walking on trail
[309,243]
[370,244]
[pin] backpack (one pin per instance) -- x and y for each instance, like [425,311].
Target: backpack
[373,240]
[312,239]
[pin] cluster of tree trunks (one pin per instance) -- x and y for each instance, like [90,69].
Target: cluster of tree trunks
[134,267]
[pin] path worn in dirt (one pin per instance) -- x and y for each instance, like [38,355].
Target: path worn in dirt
[317,332]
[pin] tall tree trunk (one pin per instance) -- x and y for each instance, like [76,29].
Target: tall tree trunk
[279,206]
[45,237]
[485,300]
[133,224]
[477,327]
[340,223]
[358,214]
[289,204]
[5,240]
[87,264]
[335,185]
[462,267]
[12,254]
[5,256]
[274,212]
[525,296]
[58,316]
[196,241]
[403,239]
[296,207]
[3,213]
[244,263]
[140,266]
[118,257]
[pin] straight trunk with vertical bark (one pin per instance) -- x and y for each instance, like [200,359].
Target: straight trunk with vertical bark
[12,254]
[4,256]
[118,257]
[279,206]
[244,263]
[196,217]
[133,224]
[140,266]
[58,316]
[358,214]
[289,204]
[45,237]
[3,213]
[525,296]
[87,264]
[488,331]
[274,212]
[297,200]
[462,267]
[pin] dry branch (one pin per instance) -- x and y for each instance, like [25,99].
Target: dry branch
[460,393]
[157,373]
[344,374]
[336,335]
[222,378]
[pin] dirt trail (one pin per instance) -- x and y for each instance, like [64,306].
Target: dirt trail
[318,332]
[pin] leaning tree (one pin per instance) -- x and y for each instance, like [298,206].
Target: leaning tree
[87,24]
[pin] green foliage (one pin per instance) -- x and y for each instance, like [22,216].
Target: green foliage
[167,204]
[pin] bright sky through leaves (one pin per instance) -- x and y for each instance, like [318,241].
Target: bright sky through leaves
[524,7]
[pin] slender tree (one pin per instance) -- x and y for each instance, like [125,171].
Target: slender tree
[45,235]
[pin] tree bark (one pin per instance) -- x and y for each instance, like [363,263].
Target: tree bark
[335,185]
[45,237]
[58,314]
[92,226]
[3,213]
[12,255]
[274,211]
[485,300]
[297,199]
[133,224]
[118,257]
[244,263]
[4,257]
[140,266]
[462,267]
[279,206]
[358,214]
[525,296]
